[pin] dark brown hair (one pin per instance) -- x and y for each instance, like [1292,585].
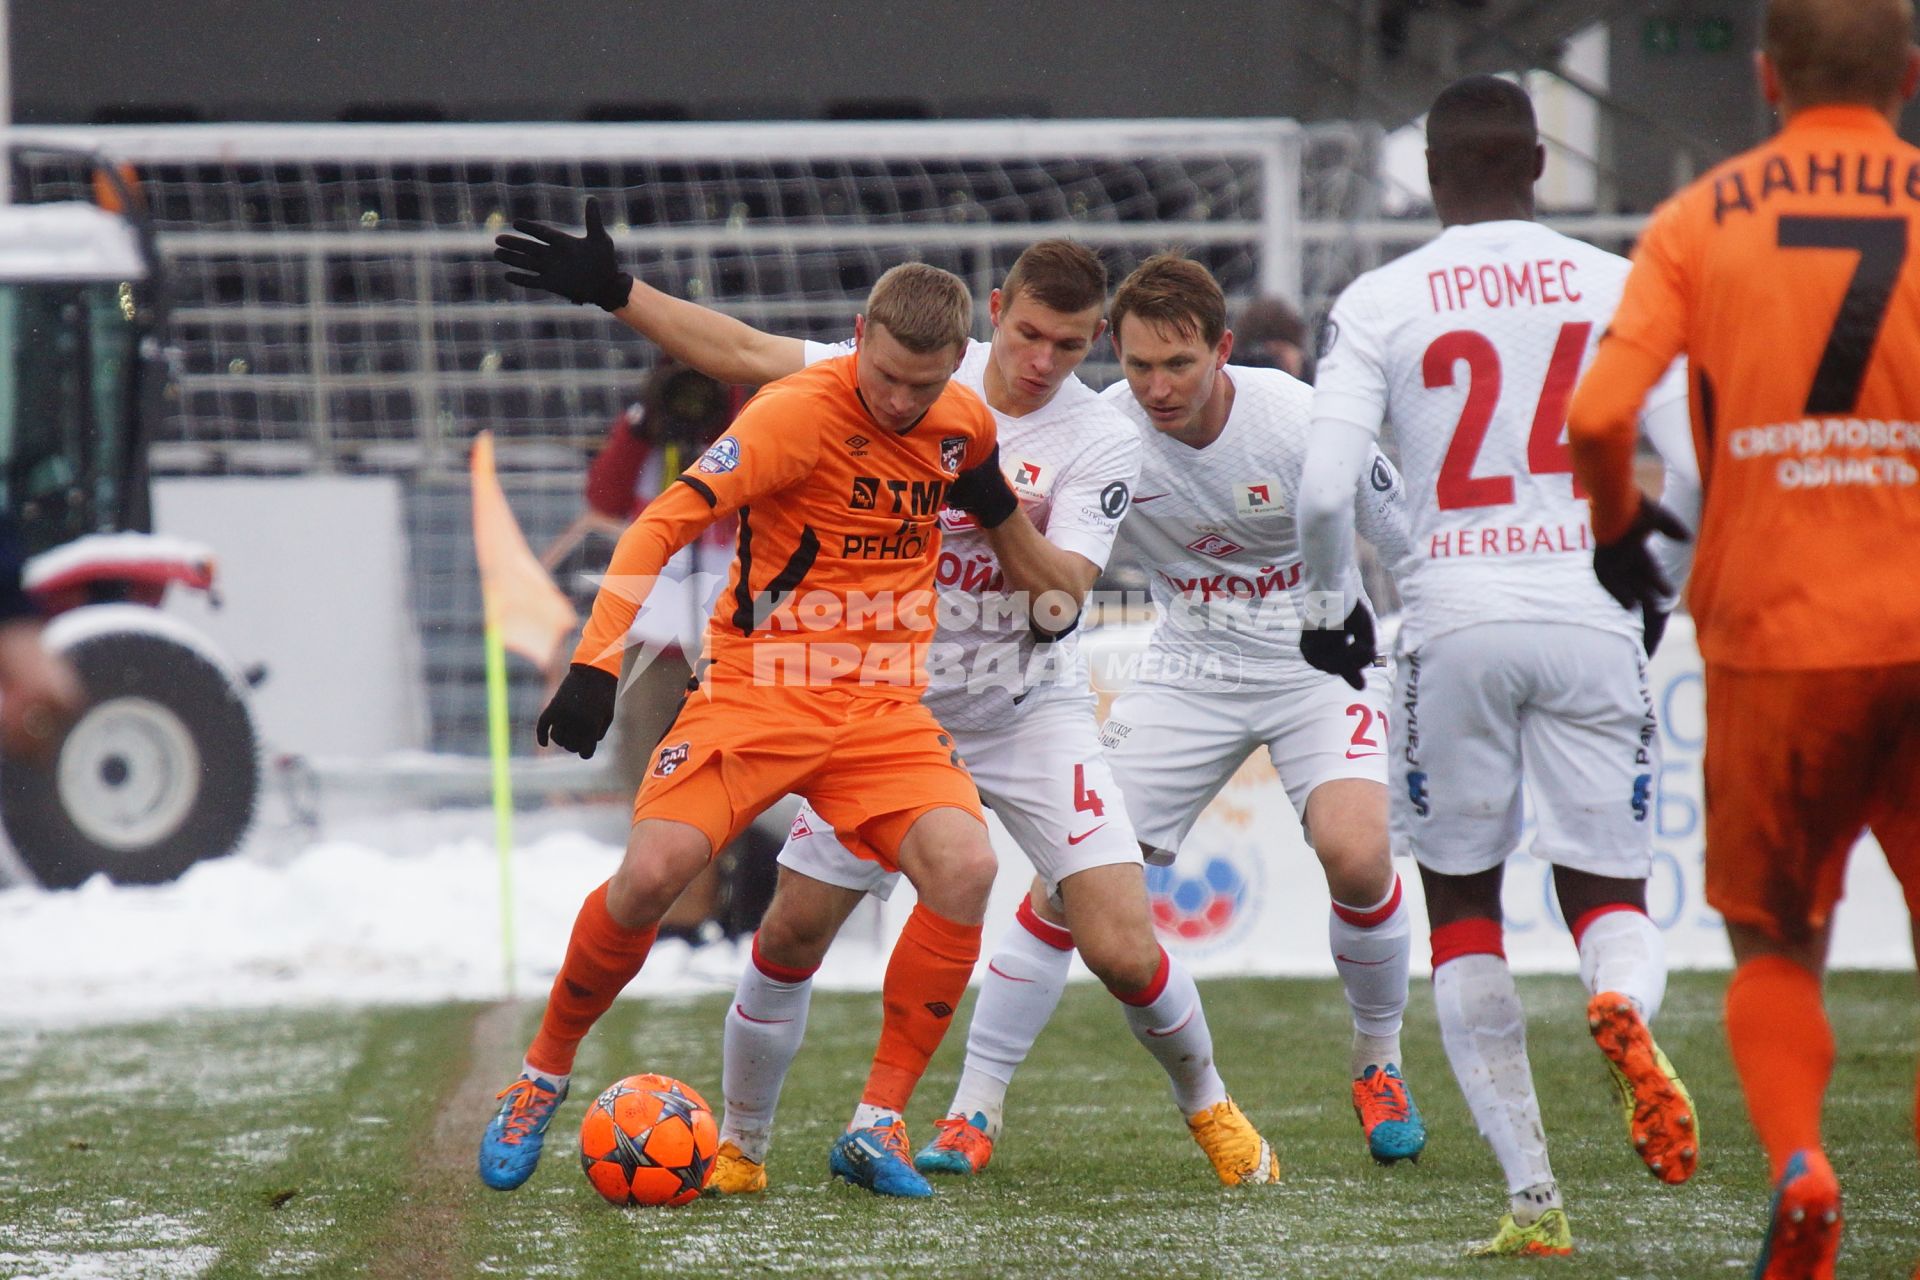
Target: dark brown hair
[1174,293]
[1060,274]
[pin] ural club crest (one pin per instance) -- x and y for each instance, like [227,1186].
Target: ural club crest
[953,452]
[670,759]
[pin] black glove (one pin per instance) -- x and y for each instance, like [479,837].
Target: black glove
[1653,626]
[581,710]
[1626,567]
[579,268]
[983,493]
[1346,653]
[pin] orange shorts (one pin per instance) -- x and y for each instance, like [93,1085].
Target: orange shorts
[870,766]
[1798,764]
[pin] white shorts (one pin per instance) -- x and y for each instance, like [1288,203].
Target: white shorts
[1173,749]
[1043,775]
[1566,707]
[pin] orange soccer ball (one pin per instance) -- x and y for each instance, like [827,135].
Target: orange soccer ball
[648,1139]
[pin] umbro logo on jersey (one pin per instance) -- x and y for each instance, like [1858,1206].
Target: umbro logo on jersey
[857,443]
[1258,498]
[1213,544]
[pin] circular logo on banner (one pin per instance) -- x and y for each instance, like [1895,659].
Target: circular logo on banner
[1209,900]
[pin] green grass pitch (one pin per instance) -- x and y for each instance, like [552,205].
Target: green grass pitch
[340,1143]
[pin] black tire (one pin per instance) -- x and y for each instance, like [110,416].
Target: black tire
[158,809]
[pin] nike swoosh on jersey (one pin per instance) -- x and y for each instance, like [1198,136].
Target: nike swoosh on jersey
[1084,834]
[1337,956]
[1148,497]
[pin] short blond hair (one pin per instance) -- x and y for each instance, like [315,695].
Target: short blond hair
[924,308]
[1851,51]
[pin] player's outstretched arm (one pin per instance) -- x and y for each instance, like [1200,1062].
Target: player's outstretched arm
[585,269]
[716,344]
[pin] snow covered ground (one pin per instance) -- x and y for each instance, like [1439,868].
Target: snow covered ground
[412,914]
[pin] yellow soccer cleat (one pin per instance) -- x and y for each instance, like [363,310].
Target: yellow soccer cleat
[1661,1120]
[1548,1236]
[734,1174]
[1239,1154]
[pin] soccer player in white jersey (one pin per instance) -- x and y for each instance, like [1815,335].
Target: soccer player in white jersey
[1021,713]
[1222,675]
[1512,660]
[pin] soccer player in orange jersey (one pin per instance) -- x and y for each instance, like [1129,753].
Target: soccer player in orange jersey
[811,676]
[1790,278]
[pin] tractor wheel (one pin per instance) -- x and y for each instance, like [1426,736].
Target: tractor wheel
[160,771]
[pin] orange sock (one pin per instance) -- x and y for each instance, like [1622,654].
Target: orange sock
[926,976]
[602,958]
[1783,1051]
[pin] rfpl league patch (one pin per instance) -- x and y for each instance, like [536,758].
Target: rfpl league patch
[1258,498]
[953,452]
[670,759]
[721,457]
[1381,476]
[1329,338]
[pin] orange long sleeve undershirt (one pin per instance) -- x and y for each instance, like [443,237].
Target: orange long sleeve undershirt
[670,522]
[1603,427]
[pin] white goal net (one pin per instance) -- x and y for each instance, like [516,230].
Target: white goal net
[336,306]
[336,309]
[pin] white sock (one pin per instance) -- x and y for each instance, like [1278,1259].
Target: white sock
[1022,987]
[1173,1027]
[531,1072]
[764,1028]
[1372,949]
[1623,951]
[1485,1034]
[1529,1204]
[867,1115]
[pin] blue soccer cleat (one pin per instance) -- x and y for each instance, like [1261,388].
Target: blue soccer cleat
[876,1158]
[1387,1114]
[510,1148]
